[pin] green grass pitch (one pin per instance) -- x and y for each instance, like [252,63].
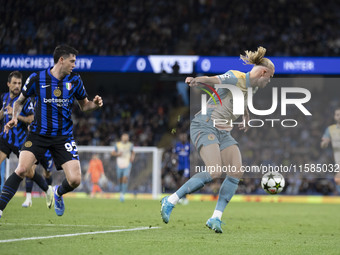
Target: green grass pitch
[251,228]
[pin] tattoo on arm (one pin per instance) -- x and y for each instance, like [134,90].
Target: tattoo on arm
[17,107]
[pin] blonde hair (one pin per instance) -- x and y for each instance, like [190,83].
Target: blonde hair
[257,58]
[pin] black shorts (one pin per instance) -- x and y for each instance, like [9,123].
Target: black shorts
[47,163]
[62,148]
[7,148]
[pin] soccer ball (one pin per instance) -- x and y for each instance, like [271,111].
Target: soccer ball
[273,182]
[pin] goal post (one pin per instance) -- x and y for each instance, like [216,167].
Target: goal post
[145,175]
[148,163]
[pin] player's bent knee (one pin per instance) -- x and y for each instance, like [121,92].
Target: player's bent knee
[74,182]
[23,172]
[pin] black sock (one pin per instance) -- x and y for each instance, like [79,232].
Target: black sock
[29,185]
[38,179]
[11,186]
[49,180]
[64,188]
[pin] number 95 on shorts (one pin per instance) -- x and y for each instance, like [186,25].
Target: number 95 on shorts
[62,148]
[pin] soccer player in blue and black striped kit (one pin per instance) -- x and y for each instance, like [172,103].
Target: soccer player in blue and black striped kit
[12,141]
[55,90]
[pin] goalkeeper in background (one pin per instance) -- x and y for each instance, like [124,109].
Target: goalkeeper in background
[96,170]
[332,134]
[123,150]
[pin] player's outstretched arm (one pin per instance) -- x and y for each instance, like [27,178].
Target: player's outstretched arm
[25,119]
[324,142]
[116,154]
[210,80]
[87,105]
[17,107]
[133,155]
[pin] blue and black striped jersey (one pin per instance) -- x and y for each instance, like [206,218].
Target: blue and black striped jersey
[16,135]
[53,102]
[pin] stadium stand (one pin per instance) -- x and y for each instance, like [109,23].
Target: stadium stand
[164,27]
[214,27]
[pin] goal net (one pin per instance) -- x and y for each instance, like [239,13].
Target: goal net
[145,174]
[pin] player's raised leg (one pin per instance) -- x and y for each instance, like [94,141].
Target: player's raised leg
[231,156]
[211,157]
[26,161]
[72,181]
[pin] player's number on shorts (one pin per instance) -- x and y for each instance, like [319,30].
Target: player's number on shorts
[71,146]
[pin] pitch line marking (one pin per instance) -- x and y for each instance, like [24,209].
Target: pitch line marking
[76,234]
[61,225]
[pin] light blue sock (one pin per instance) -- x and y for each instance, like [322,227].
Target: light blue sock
[227,191]
[195,183]
[338,189]
[124,187]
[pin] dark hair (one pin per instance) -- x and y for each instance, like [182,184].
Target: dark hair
[15,74]
[63,50]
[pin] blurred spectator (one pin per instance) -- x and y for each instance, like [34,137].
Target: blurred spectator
[214,27]
[145,118]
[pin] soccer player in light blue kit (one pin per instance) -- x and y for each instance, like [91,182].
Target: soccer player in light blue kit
[123,150]
[332,134]
[215,145]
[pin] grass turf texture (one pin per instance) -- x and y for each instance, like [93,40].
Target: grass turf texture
[251,228]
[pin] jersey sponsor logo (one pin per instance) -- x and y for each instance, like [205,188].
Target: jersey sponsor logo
[28,144]
[59,101]
[45,86]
